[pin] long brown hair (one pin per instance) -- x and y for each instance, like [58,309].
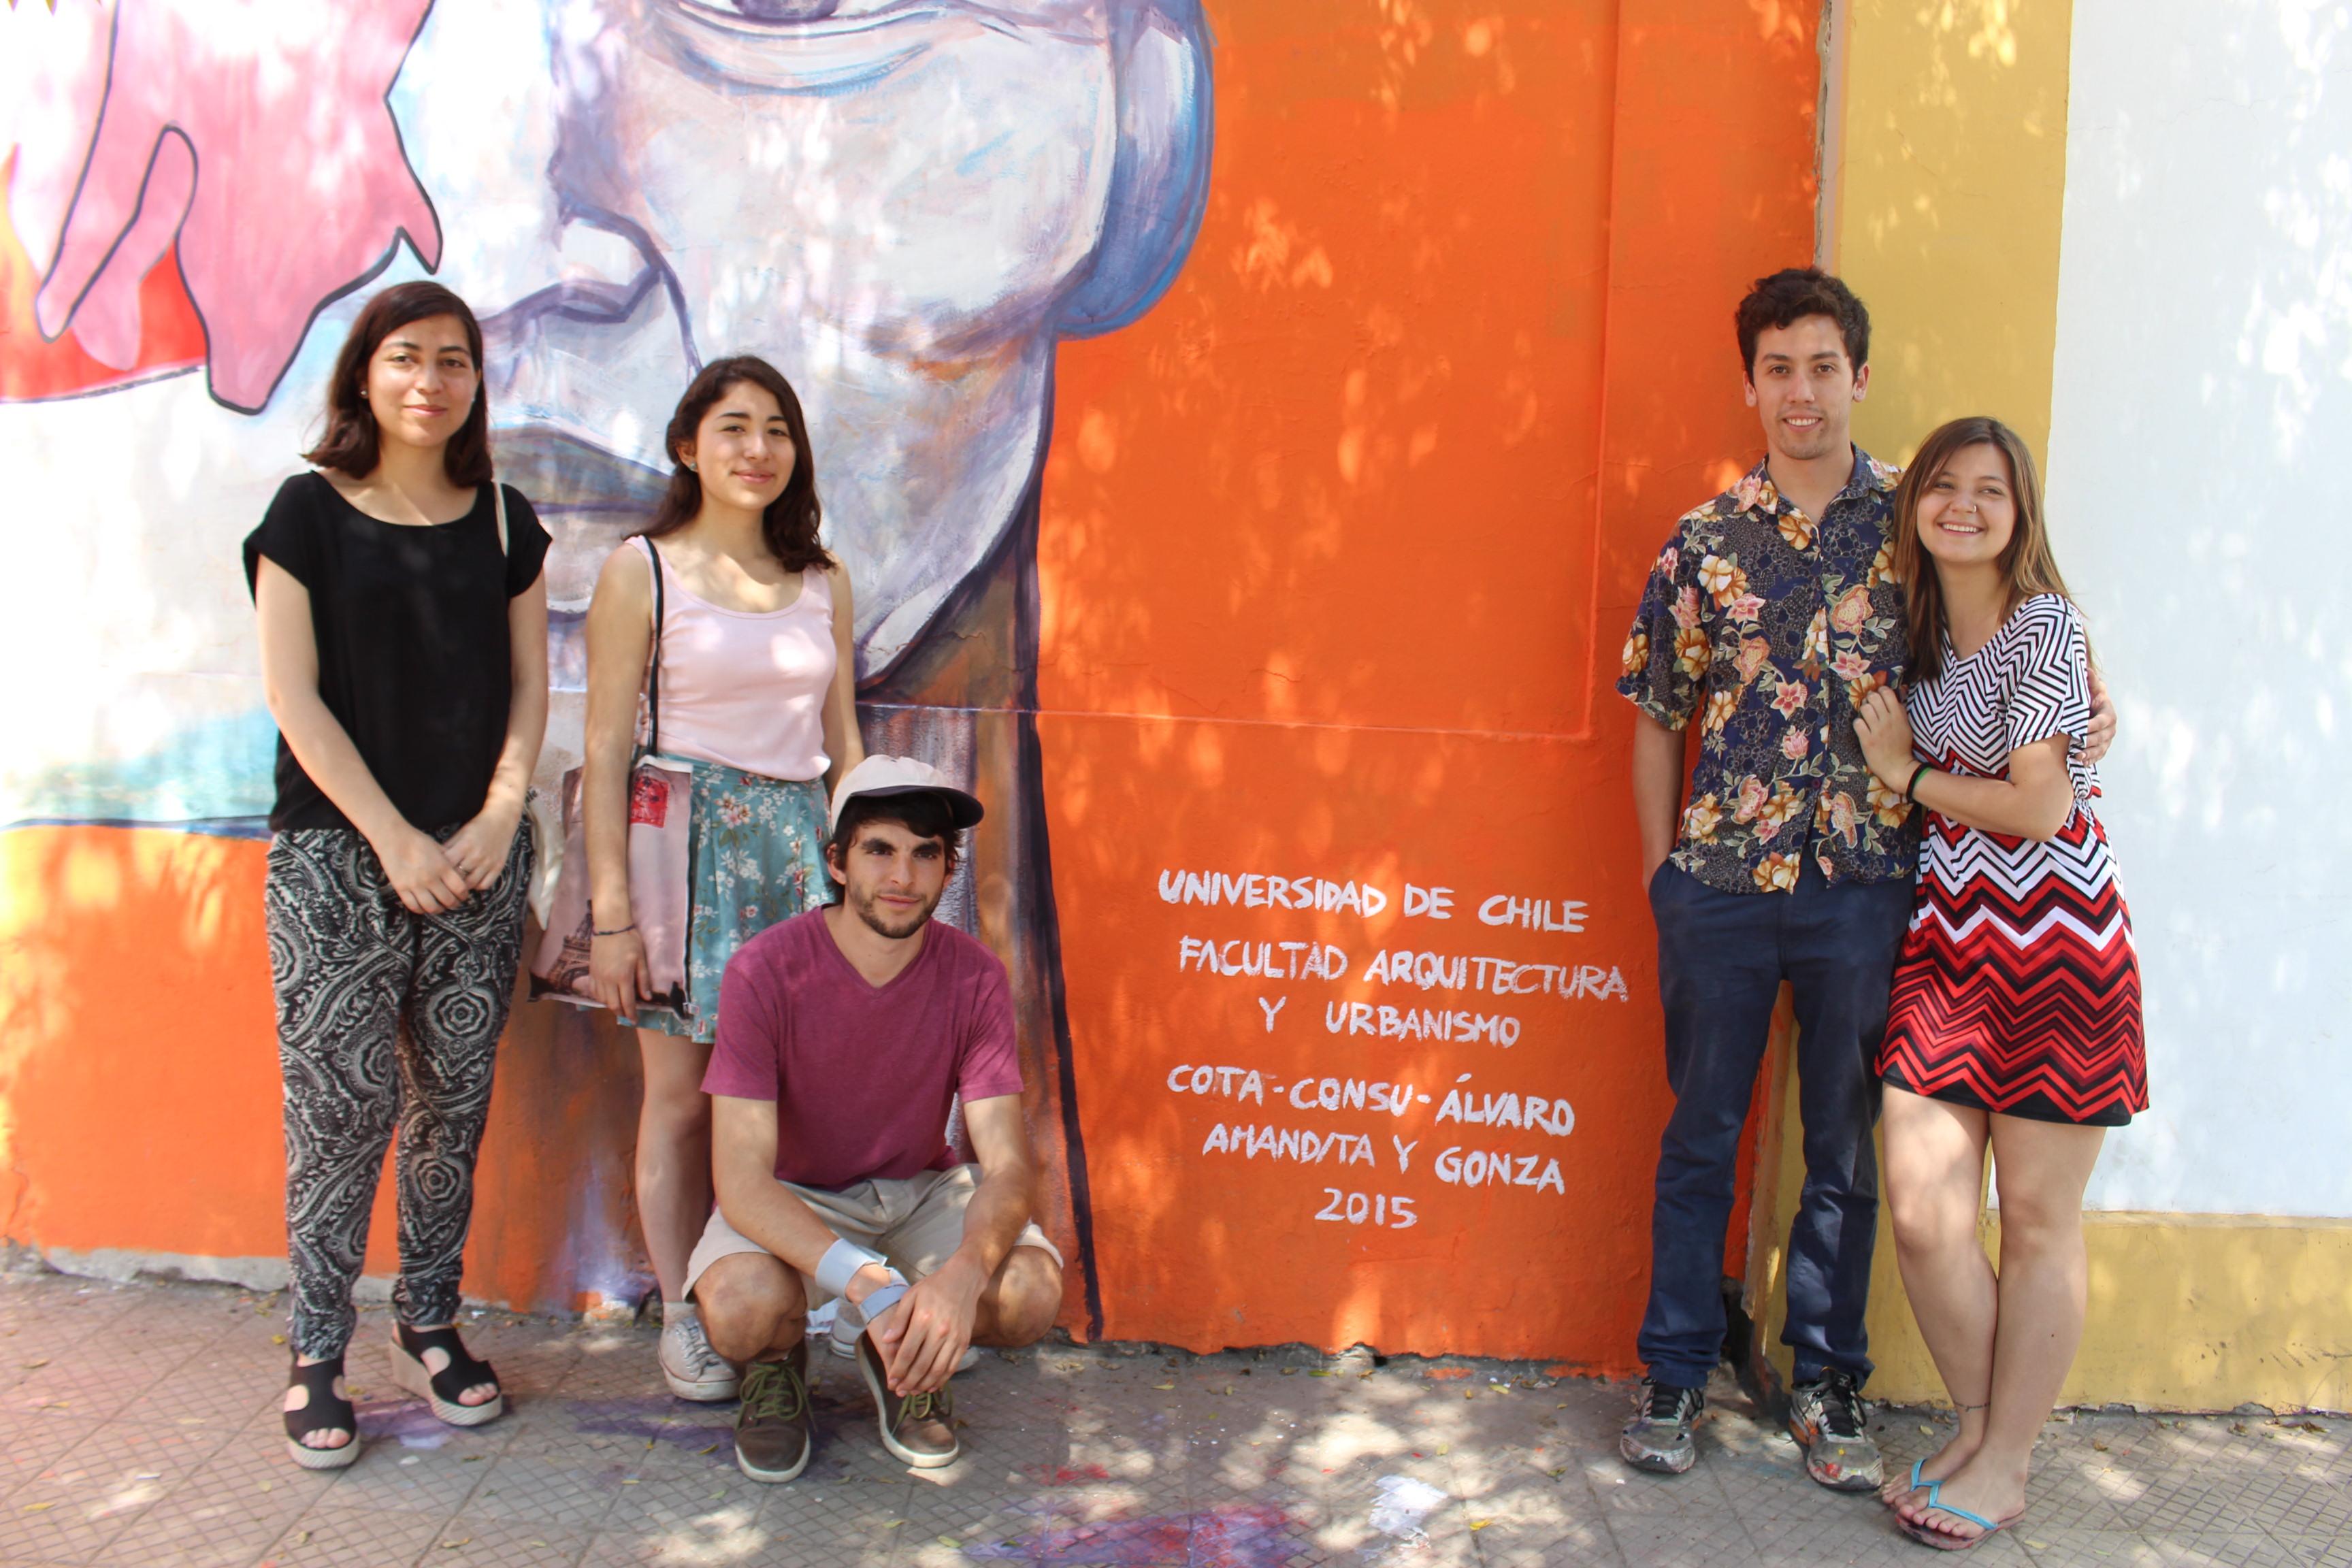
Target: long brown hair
[2027,568]
[790,524]
[351,444]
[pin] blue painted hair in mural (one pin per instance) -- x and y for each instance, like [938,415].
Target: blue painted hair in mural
[789,524]
[350,443]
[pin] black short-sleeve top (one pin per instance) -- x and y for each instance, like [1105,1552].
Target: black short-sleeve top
[414,660]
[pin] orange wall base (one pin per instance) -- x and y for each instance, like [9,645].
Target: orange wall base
[138,1084]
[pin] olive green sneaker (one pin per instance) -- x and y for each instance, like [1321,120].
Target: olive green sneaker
[772,1437]
[918,1429]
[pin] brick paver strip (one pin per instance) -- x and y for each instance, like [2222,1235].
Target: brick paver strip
[138,1425]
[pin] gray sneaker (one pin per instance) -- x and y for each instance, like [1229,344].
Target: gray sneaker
[1659,1437]
[1827,1418]
[691,1368]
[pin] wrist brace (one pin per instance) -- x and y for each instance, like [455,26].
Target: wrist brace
[841,1261]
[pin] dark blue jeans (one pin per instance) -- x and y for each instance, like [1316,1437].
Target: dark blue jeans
[1721,960]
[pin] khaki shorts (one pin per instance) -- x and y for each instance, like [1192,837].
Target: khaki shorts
[917,1224]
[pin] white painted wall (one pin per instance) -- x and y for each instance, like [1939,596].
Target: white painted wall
[2200,494]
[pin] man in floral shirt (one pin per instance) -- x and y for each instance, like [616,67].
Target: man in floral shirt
[1773,610]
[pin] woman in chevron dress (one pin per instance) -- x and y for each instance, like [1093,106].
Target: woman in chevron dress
[2015,1022]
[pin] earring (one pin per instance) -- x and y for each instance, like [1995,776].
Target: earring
[692,470]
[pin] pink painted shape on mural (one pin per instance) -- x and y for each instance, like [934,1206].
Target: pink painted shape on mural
[268,150]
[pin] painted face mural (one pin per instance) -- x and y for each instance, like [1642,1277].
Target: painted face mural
[904,205]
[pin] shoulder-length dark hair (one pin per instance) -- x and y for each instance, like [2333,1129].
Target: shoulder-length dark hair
[790,524]
[2027,567]
[351,444]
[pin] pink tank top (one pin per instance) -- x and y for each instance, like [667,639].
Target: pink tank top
[746,689]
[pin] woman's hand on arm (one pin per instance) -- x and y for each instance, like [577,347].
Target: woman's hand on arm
[843,743]
[479,848]
[620,636]
[1884,731]
[420,871]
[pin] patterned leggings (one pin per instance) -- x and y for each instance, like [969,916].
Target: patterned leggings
[352,967]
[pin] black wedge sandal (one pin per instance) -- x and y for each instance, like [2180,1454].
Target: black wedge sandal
[323,1411]
[441,1389]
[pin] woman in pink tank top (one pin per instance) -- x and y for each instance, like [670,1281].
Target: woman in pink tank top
[758,694]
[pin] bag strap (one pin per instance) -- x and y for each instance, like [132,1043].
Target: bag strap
[653,679]
[498,503]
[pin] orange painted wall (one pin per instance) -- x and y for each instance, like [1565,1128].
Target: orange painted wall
[139,1103]
[1336,547]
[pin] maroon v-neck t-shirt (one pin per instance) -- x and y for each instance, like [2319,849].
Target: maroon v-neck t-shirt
[862,1076]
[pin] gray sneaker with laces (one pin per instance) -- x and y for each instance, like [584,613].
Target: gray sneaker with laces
[1829,1420]
[1659,1437]
[691,1368]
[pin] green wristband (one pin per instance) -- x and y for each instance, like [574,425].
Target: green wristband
[1911,790]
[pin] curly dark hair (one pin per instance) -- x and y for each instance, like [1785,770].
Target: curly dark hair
[790,524]
[1791,294]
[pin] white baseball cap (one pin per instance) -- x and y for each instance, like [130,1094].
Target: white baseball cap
[883,776]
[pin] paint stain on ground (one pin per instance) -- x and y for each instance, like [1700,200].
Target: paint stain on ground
[651,1421]
[1236,1536]
[411,1421]
[1066,1475]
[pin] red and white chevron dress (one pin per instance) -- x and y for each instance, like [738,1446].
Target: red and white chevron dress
[2017,990]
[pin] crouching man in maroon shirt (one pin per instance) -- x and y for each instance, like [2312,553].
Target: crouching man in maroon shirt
[844,1035]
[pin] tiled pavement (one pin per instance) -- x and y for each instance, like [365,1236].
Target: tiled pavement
[138,1425]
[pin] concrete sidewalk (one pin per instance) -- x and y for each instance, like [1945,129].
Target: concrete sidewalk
[138,1425]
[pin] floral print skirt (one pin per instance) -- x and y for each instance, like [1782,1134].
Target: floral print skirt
[758,857]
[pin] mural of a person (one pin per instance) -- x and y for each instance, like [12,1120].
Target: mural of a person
[904,205]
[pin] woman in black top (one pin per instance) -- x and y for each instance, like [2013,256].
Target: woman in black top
[404,653]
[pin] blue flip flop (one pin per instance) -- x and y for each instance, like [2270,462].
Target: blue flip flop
[1936,1538]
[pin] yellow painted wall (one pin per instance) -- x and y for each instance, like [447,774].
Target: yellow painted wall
[1946,180]
[1944,164]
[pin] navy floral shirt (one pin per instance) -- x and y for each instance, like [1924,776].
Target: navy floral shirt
[1767,626]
